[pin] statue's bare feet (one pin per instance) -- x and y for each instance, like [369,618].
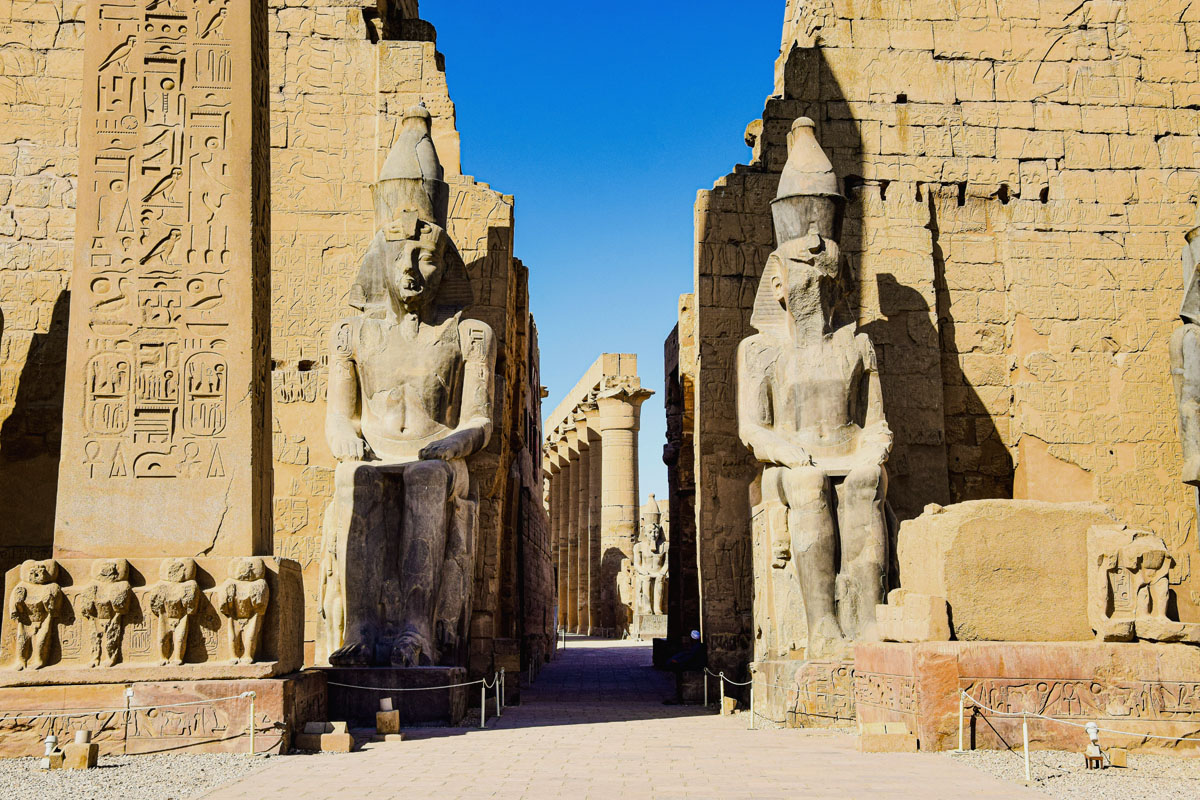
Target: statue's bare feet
[826,640]
[411,649]
[357,654]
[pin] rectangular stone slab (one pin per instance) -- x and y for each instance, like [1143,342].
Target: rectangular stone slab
[281,707]
[166,437]
[416,708]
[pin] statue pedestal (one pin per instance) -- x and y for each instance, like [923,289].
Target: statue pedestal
[282,706]
[803,694]
[649,626]
[1145,688]
[435,707]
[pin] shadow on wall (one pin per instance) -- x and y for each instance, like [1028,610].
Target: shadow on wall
[30,439]
[968,423]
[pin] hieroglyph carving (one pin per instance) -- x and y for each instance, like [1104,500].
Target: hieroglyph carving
[105,602]
[810,408]
[156,393]
[244,599]
[173,600]
[166,367]
[410,398]
[36,605]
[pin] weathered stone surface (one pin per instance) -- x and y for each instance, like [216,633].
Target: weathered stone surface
[282,706]
[810,408]
[650,562]
[75,641]
[1011,570]
[1146,689]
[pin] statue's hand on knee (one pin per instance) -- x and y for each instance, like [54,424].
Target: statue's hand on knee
[347,446]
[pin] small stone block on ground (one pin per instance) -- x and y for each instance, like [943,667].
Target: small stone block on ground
[53,761]
[387,722]
[386,738]
[80,756]
[1118,757]
[324,742]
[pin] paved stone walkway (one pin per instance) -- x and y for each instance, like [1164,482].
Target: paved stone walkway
[594,726]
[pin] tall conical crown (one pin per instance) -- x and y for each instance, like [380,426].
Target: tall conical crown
[808,188]
[411,178]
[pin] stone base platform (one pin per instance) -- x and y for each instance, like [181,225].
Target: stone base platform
[431,708]
[650,626]
[282,706]
[1143,688]
[803,694]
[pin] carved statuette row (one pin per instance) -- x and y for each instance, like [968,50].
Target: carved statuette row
[39,606]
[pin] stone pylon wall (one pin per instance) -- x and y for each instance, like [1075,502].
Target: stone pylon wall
[1020,176]
[337,86]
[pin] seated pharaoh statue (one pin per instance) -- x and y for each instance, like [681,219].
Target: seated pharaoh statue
[810,408]
[409,399]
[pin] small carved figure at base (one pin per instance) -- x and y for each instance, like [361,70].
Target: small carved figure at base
[244,598]
[1129,588]
[106,601]
[174,600]
[36,604]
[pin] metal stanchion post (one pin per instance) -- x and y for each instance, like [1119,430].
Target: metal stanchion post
[503,681]
[751,702]
[482,704]
[1025,738]
[721,678]
[252,723]
[706,688]
[961,715]
[496,684]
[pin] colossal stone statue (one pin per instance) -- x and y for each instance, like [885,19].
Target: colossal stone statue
[410,398]
[810,409]
[650,564]
[1185,359]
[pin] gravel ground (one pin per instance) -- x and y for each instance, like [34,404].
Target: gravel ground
[1061,775]
[151,777]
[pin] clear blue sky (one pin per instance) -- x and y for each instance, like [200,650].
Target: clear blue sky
[604,120]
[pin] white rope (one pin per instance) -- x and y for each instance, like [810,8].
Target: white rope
[1073,724]
[93,711]
[417,689]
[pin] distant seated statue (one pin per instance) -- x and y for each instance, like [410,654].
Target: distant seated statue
[1185,358]
[410,398]
[650,562]
[810,409]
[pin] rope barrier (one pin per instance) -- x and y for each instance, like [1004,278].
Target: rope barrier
[416,689]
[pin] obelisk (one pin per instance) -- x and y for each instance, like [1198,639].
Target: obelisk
[166,432]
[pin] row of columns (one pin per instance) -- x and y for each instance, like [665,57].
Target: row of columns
[590,463]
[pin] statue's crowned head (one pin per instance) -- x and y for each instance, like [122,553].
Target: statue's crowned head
[800,279]
[407,263]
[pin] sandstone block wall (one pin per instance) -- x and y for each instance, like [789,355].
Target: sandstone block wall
[1020,176]
[337,86]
